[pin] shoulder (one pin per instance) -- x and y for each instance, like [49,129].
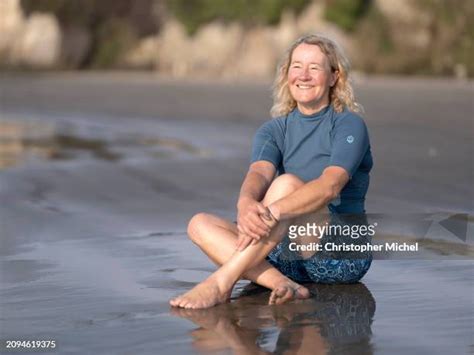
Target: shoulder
[274,127]
[347,116]
[348,119]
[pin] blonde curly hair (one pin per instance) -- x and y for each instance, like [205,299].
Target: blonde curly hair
[341,95]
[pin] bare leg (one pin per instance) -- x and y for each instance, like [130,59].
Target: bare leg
[249,262]
[217,238]
[216,289]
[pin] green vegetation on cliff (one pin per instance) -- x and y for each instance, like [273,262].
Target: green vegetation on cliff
[195,13]
[346,13]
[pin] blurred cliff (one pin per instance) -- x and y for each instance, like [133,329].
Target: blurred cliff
[234,39]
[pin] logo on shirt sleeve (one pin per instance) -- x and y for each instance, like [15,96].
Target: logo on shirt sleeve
[350,139]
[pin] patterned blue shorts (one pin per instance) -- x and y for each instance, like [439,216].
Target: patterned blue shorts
[321,270]
[323,267]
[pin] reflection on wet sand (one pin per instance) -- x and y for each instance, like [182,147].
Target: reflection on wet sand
[16,138]
[336,319]
[23,141]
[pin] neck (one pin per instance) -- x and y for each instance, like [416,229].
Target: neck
[312,108]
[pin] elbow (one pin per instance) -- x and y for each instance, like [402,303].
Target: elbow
[333,179]
[331,192]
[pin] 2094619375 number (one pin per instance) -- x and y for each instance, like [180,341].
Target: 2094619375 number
[30,344]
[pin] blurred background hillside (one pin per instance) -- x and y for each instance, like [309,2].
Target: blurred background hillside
[234,39]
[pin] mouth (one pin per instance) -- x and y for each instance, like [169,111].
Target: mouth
[304,87]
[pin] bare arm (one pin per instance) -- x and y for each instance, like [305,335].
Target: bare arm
[249,207]
[312,196]
[256,182]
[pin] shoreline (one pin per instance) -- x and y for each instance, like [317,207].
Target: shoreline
[144,76]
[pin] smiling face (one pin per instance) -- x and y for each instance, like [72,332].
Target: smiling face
[310,78]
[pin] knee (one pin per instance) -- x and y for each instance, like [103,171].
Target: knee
[283,185]
[196,226]
[287,182]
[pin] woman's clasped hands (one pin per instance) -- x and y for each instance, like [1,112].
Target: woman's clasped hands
[254,222]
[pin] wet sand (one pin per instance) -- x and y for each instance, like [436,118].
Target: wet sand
[102,172]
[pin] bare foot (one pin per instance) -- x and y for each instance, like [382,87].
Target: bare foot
[287,292]
[204,295]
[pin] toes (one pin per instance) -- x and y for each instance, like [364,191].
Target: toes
[174,301]
[184,303]
[197,305]
[279,294]
[179,301]
[285,296]
[286,293]
[271,300]
[302,293]
[189,305]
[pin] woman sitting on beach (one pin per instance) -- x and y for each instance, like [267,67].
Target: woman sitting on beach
[318,147]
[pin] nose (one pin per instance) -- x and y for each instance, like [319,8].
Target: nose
[305,75]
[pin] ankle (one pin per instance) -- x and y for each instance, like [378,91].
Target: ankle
[224,284]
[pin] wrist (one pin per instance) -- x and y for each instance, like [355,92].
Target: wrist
[243,200]
[275,211]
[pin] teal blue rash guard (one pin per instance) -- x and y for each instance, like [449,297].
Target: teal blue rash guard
[305,145]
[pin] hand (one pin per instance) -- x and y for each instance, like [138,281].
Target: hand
[251,218]
[244,240]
